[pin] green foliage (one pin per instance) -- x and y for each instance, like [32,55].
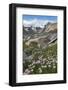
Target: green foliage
[48,53]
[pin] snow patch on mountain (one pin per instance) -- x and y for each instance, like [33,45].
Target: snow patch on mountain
[36,23]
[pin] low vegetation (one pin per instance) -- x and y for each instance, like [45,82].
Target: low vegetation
[42,61]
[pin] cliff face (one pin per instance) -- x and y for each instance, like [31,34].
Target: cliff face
[52,27]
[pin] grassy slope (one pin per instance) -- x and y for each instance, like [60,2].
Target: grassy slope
[49,53]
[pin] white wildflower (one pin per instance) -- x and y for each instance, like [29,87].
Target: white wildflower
[27,71]
[44,66]
[47,62]
[43,62]
[49,65]
[29,65]
[33,66]
[37,62]
[40,70]
[31,70]
[54,66]
[40,58]
[44,59]
[33,62]
[53,60]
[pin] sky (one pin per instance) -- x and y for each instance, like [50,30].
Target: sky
[39,17]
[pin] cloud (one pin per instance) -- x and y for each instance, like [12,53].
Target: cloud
[36,22]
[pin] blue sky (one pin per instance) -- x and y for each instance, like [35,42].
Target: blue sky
[39,17]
